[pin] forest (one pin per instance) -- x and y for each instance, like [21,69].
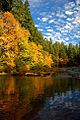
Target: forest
[22,46]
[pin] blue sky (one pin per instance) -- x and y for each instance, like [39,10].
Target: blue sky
[57,19]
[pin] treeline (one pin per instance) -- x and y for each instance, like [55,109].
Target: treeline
[22,46]
[63,55]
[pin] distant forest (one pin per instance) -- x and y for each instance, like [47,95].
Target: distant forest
[22,46]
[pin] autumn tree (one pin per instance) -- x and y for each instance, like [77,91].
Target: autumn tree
[10,38]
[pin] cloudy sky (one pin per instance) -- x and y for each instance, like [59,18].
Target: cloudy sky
[57,19]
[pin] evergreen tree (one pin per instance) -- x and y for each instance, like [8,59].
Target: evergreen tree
[62,52]
[70,51]
[21,11]
[5,5]
[18,10]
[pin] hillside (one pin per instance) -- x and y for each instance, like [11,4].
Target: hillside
[17,53]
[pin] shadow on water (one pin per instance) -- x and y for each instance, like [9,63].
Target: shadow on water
[40,98]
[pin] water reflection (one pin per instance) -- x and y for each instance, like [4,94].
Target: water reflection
[39,98]
[19,94]
[64,104]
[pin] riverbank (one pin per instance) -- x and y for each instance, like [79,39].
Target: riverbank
[74,71]
[28,74]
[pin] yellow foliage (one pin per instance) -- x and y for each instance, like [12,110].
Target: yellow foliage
[39,56]
[63,60]
[11,37]
[14,41]
[48,59]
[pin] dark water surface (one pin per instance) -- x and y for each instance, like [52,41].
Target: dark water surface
[40,98]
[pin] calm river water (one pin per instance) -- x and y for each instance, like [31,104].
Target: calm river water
[54,97]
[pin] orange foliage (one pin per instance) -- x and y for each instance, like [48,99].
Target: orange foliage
[11,35]
[48,59]
[14,41]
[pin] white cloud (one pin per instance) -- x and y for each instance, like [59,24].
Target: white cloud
[61,14]
[48,34]
[50,16]
[40,29]
[78,32]
[76,36]
[62,24]
[70,19]
[76,21]
[36,25]
[78,8]
[69,5]
[38,18]
[52,21]
[78,2]
[58,34]
[63,30]
[68,27]
[47,27]
[67,38]
[69,12]
[44,19]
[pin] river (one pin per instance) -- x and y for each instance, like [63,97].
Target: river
[55,97]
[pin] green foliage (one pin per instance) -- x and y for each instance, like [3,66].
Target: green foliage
[63,55]
[22,13]
[5,5]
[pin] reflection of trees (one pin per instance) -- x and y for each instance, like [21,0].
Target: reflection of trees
[26,88]
[63,84]
[26,95]
[7,86]
[16,94]
[40,84]
[8,97]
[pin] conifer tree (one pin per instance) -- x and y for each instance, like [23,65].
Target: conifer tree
[21,11]
[5,5]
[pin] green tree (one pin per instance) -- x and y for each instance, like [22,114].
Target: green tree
[6,5]
[62,52]
[21,11]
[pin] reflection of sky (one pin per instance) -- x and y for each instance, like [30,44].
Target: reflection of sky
[58,19]
[61,105]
